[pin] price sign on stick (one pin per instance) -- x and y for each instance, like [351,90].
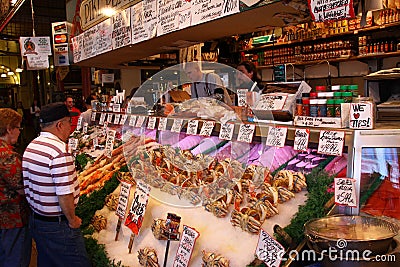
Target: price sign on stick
[301,137]
[192,127]
[109,143]
[102,118]
[117,107]
[85,127]
[132,120]
[246,132]
[177,125]
[241,94]
[207,128]
[162,124]
[135,216]
[269,250]
[105,129]
[172,227]
[151,124]
[331,142]
[276,136]
[139,121]
[109,117]
[79,124]
[72,144]
[93,116]
[226,131]
[117,118]
[186,245]
[345,192]
[123,119]
[122,205]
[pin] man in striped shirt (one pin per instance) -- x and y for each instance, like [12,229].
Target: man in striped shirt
[52,191]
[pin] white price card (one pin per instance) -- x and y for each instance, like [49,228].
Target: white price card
[85,127]
[123,200]
[361,115]
[241,95]
[207,128]
[177,125]
[269,250]
[135,216]
[132,120]
[109,143]
[186,245]
[192,127]
[109,117]
[345,192]
[95,142]
[72,144]
[102,118]
[93,116]
[246,132]
[79,124]
[140,121]
[301,138]
[276,136]
[117,118]
[105,129]
[272,101]
[331,142]
[226,131]
[117,107]
[123,119]
[162,124]
[151,124]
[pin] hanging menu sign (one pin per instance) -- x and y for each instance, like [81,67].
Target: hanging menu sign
[325,10]
[123,200]
[246,132]
[102,118]
[185,15]
[121,33]
[192,127]
[241,94]
[162,124]
[226,131]
[117,118]
[168,16]
[150,17]
[37,62]
[361,115]
[123,119]
[276,136]
[144,20]
[331,142]
[77,48]
[207,128]
[269,250]
[90,42]
[151,124]
[203,11]
[301,137]
[104,33]
[139,121]
[271,102]
[186,245]
[177,125]
[132,120]
[345,192]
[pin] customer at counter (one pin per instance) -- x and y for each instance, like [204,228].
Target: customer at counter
[249,77]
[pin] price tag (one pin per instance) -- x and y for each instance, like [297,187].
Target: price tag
[123,200]
[151,124]
[345,192]
[331,142]
[102,118]
[241,94]
[177,125]
[186,245]
[301,137]
[361,115]
[123,119]
[207,128]
[93,116]
[226,131]
[117,118]
[246,132]
[135,216]
[139,121]
[269,250]
[95,142]
[132,120]
[79,124]
[105,129]
[162,124]
[85,127]
[272,102]
[109,143]
[192,127]
[117,107]
[109,117]
[276,136]
[72,144]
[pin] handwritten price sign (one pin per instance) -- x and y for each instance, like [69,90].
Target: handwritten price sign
[109,117]
[361,115]
[177,125]
[85,127]
[132,120]
[331,9]
[123,119]
[116,108]
[241,94]
[301,137]
[93,116]
[72,144]
[123,200]
[162,124]
[102,118]
[276,136]
[79,125]
[331,142]
[117,118]
[269,250]
[207,128]
[345,192]
[109,143]
[192,127]
[151,124]
[139,121]
[186,245]
[271,102]
[226,131]
[246,132]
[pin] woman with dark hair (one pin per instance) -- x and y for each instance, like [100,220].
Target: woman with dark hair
[35,111]
[249,77]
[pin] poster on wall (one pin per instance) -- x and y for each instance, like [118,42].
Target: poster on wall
[168,16]
[327,10]
[77,48]
[104,31]
[121,33]
[90,42]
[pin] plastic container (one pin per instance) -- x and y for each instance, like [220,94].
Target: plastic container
[306,106]
[347,97]
[313,95]
[330,108]
[344,88]
[338,107]
[322,108]
[314,107]
[337,95]
[335,87]
[353,89]
[320,88]
[299,107]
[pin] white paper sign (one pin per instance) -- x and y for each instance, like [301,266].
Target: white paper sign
[301,137]
[79,123]
[207,128]
[132,120]
[185,15]
[271,102]
[121,33]
[93,116]
[72,144]
[276,136]
[241,94]
[331,9]
[37,62]
[104,40]
[269,250]
[168,16]
[361,115]
[109,117]
[331,142]
[192,127]
[116,107]
[90,42]
[246,132]
[226,131]
[95,142]
[77,48]
[345,192]
[105,129]
[140,121]
[123,200]
[117,118]
[151,124]
[144,20]
[85,127]
[162,124]
[186,245]
[102,118]
[177,125]
[123,119]
[109,143]
[35,46]
[203,11]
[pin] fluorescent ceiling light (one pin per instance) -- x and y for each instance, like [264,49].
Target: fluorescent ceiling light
[3,75]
